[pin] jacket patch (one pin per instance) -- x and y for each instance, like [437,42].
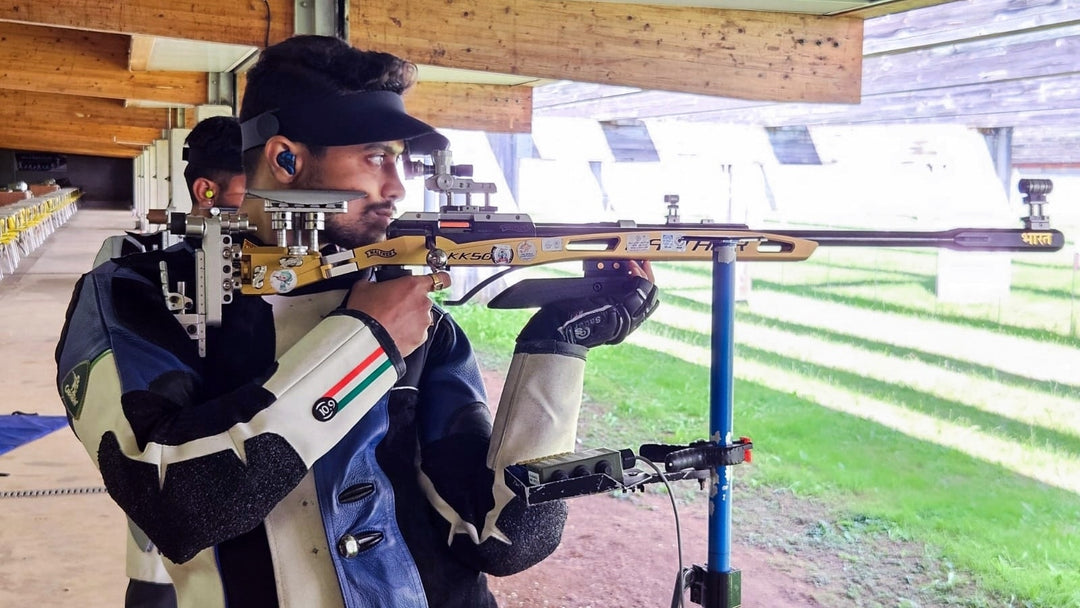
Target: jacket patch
[324,409]
[73,388]
[341,394]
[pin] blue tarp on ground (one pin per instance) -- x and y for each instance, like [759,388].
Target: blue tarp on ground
[17,429]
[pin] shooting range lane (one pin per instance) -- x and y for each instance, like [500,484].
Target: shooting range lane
[1009,354]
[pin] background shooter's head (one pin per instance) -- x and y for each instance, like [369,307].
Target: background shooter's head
[214,172]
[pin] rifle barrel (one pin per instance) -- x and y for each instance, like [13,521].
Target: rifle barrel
[959,239]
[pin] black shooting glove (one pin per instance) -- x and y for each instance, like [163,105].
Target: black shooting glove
[592,321]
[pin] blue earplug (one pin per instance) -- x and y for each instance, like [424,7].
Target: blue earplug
[287,161]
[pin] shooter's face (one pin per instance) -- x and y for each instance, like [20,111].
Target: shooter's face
[369,168]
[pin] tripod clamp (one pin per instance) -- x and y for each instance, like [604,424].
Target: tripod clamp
[699,454]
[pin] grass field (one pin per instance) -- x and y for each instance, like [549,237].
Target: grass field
[956,427]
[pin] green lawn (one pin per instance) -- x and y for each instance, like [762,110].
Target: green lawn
[1018,537]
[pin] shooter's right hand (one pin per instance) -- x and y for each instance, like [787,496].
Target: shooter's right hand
[401,306]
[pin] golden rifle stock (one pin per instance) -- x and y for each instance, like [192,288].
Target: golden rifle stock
[479,236]
[269,270]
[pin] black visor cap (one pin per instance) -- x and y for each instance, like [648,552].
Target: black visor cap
[343,120]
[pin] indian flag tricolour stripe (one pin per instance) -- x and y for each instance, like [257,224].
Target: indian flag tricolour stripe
[359,378]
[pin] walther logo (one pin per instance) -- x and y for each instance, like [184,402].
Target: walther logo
[381,253]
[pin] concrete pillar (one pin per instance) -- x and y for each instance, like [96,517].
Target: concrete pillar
[178,190]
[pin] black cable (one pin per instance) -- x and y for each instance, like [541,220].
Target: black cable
[680,581]
[266,43]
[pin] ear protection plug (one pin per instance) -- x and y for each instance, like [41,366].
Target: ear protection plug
[287,161]
[209,193]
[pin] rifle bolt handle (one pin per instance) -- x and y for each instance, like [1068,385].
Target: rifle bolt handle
[437,258]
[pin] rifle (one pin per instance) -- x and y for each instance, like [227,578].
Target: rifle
[478,235]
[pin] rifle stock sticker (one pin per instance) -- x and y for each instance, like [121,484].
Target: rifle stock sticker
[551,244]
[526,251]
[502,254]
[258,276]
[637,241]
[283,280]
[672,241]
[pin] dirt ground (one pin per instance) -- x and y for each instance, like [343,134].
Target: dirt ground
[621,552]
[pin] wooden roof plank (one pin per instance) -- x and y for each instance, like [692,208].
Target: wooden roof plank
[1023,55]
[996,104]
[963,20]
[243,23]
[967,105]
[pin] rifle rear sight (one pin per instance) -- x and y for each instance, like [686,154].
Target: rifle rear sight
[447,179]
[672,202]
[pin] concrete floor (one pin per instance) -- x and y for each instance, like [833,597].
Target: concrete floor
[60,549]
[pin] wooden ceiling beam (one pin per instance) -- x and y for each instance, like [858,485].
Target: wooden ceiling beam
[72,62]
[478,107]
[742,54]
[38,109]
[139,135]
[114,134]
[932,80]
[247,23]
[63,145]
